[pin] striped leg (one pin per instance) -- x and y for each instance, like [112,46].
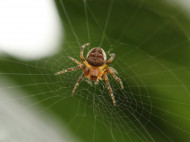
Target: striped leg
[109,61]
[68,70]
[75,60]
[89,82]
[77,84]
[109,89]
[112,71]
[97,82]
[81,54]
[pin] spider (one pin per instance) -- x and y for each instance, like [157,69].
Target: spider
[94,68]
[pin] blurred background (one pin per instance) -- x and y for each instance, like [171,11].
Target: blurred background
[152,47]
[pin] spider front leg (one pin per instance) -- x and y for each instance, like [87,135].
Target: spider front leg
[109,61]
[75,60]
[69,70]
[105,77]
[81,54]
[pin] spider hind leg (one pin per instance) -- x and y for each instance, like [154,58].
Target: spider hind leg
[89,82]
[96,82]
[77,84]
[105,77]
[112,71]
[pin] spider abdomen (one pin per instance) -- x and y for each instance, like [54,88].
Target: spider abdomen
[96,57]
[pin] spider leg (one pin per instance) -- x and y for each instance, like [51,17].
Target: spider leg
[97,82]
[112,71]
[89,82]
[81,54]
[75,60]
[68,70]
[105,77]
[77,84]
[109,61]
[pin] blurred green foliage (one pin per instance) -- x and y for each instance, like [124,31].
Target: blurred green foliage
[151,43]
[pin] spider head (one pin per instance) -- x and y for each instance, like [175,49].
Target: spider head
[96,57]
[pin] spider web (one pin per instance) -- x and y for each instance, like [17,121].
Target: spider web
[153,105]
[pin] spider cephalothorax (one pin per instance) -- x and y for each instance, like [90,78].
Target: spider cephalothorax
[95,68]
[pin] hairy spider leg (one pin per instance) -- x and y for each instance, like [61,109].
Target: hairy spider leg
[81,54]
[77,84]
[112,71]
[105,77]
[75,60]
[108,61]
[97,82]
[89,82]
[68,70]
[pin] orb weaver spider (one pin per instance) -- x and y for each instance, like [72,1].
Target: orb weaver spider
[94,68]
